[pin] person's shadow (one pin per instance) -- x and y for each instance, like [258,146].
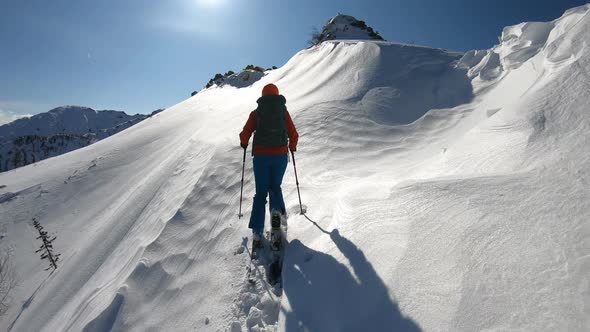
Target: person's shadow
[324,296]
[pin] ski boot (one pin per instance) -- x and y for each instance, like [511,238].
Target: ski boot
[256,241]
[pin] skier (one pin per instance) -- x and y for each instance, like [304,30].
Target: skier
[271,125]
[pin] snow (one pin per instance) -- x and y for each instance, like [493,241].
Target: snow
[448,192]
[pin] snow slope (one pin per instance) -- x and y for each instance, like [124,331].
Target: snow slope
[449,193]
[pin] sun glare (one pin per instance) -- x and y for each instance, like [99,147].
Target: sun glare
[210,3]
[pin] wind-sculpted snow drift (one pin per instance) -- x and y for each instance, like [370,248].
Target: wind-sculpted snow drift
[450,193]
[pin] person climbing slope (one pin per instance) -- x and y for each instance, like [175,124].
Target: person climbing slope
[274,135]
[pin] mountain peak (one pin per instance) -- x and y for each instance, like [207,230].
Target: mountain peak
[73,108]
[345,27]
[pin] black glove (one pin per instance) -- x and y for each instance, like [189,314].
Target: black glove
[244,146]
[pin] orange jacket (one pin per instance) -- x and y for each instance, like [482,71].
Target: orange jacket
[250,127]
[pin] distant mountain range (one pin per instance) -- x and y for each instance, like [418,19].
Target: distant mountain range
[62,129]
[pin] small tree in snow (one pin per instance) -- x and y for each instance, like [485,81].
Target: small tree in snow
[46,248]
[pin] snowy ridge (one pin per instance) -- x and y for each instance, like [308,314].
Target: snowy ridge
[521,42]
[449,191]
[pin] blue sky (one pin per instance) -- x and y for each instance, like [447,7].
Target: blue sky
[140,55]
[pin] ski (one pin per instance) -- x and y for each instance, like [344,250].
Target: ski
[270,251]
[254,253]
[277,240]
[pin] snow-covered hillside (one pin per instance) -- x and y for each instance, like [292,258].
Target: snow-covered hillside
[450,193]
[62,129]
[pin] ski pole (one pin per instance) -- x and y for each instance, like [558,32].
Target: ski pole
[299,194]
[297,182]
[240,215]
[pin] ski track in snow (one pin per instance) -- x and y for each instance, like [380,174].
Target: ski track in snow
[446,193]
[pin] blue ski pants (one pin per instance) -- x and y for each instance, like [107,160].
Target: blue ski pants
[268,175]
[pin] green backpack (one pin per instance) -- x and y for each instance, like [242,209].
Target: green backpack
[271,122]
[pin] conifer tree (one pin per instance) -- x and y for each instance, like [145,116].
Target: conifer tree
[46,248]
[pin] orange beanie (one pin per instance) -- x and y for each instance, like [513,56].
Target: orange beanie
[270,90]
